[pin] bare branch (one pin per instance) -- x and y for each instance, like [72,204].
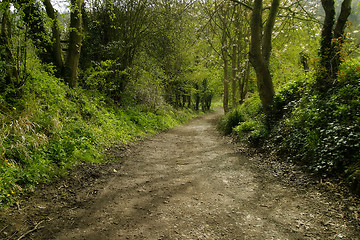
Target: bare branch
[243,4]
[31,230]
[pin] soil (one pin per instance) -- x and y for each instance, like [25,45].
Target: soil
[187,183]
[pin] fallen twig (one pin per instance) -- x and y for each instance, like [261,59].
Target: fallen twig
[31,230]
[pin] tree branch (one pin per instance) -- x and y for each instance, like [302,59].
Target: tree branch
[266,45]
[31,230]
[341,22]
[243,4]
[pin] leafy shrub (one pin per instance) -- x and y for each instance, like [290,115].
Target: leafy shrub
[145,89]
[253,131]
[230,120]
[246,121]
[323,129]
[318,129]
[106,77]
[288,97]
[247,126]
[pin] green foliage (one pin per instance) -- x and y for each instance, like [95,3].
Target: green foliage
[318,129]
[52,128]
[230,120]
[106,77]
[288,97]
[252,131]
[145,88]
[246,121]
[322,129]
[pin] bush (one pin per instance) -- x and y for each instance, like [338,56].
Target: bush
[247,121]
[252,131]
[322,130]
[230,120]
[52,128]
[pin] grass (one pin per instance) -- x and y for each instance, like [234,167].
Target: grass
[51,128]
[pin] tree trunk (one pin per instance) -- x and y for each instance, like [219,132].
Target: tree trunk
[57,51]
[332,37]
[243,65]
[11,71]
[258,57]
[264,82]
[339,35]
[244,82]
[342,19]
[326,49]
[266,40]
[226,78]
[73,55]
[233,74]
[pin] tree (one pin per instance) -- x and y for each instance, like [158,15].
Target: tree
[75,41]
[115,32]
[261,39]
[229,26]
[11,72]
[56,50]
[49,48]
[260,50]
[35,22]
[332,38]
[241,64]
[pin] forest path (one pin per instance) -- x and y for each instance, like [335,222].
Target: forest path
[188,183]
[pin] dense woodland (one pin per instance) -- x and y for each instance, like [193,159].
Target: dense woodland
[79,76]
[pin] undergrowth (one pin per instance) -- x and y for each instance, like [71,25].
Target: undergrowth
[51,128]
[245,121]
[320,130]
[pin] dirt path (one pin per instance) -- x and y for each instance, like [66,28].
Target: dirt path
[188,183]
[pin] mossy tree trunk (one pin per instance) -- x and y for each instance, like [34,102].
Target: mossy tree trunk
[332,38]
[260,51]
[11,71]
[56,41]
[75,39]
